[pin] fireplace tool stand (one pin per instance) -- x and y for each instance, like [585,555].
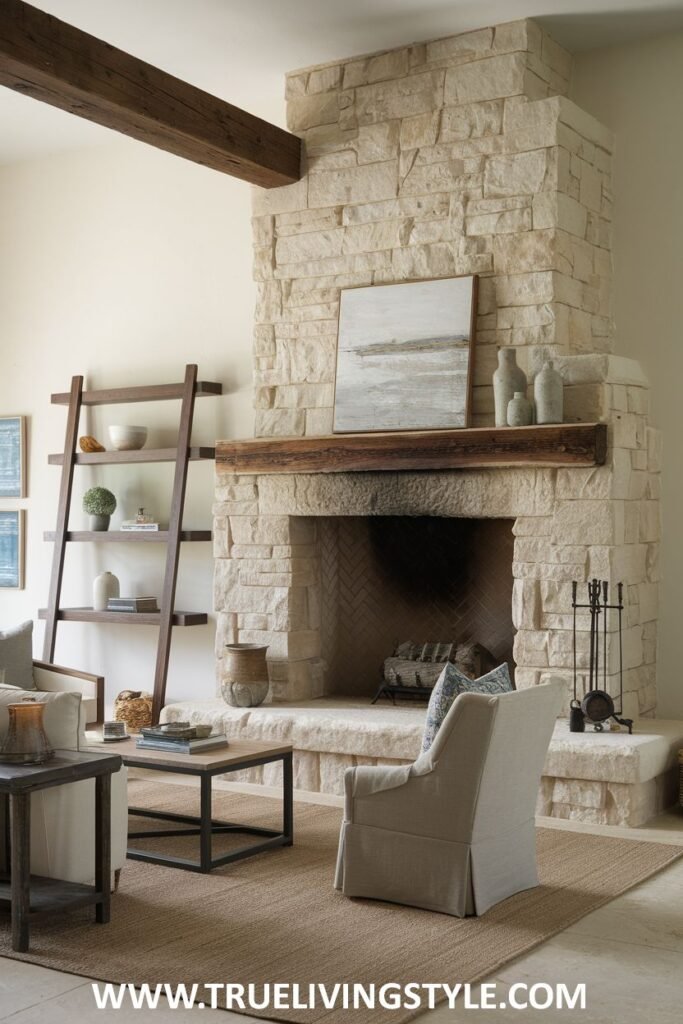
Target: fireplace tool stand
[597,705]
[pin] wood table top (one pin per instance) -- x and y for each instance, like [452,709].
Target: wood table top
[236,752]
[65,766]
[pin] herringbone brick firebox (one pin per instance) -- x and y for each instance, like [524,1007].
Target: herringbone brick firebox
[389,579]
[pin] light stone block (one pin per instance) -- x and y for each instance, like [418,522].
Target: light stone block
[404,97]
[470,121]
[378,142]
[460,48]
[306,770]
[368,183]
[390,65]
[579,519]
[332,770]
[488,79]
[516,174]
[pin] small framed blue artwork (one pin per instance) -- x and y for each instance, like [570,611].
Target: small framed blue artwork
[12,549]
[12,457]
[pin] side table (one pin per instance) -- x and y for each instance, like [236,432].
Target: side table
[24,895]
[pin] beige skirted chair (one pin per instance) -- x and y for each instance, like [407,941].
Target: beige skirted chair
[453,832]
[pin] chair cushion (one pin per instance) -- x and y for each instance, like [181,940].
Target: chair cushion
[61,717]
[16,655]
[450,684]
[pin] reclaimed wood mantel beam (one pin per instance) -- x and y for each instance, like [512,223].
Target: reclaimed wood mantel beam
[51,61]
[562,444]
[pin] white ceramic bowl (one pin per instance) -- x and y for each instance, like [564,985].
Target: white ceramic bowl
[127,439]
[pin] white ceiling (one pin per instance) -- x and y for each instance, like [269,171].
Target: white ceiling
[241,49]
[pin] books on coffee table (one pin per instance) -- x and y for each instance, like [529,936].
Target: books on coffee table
[155,739]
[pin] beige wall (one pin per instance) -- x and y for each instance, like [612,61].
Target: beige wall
[123,264]
[637,91]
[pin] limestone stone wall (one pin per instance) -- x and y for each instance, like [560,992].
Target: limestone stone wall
[454,157]
[459,156]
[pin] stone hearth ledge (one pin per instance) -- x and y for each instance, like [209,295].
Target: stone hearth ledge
[606,779]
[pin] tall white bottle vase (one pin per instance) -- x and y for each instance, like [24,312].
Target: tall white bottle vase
[105,585]
[548,395]
[507,380]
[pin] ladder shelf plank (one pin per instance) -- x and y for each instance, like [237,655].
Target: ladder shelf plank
[139,455]
[126,618]
[145,393]
[134,536]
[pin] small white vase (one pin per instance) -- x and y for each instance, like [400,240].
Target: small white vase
[520,411]
[548,395]
[507,379]
[105,585]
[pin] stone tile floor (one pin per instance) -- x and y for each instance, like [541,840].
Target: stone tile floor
[628,953]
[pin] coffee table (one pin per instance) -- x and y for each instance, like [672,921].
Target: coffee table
[24,895]
[238,755]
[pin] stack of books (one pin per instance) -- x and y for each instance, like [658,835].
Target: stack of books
[154,738]
[131,526]
[132,604]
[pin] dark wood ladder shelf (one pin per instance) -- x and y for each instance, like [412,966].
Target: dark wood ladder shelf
[146,393]
[129,536]
[139,455]
[167,617]
[126,618]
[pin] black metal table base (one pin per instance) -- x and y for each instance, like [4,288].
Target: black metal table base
[206,827]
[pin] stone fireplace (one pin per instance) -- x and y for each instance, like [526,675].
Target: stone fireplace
[457,156]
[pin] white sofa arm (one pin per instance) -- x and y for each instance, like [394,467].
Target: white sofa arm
[56,679]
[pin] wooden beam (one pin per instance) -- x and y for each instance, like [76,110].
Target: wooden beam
[51,61]
[565,444]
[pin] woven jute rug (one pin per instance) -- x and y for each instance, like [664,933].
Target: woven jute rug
[276,918]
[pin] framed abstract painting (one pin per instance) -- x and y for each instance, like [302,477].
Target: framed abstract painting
[11,549]
[405,356]
[12,457]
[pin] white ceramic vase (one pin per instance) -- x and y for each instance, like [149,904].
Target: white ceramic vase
[106,585]
[520,411]
[548,395]
[507,379]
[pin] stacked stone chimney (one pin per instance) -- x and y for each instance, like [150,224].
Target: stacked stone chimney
[458,156]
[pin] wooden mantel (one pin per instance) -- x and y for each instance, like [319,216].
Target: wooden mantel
[566,444]
[43,57]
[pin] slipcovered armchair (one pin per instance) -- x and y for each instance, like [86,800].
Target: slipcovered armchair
[453,832]
[63,818]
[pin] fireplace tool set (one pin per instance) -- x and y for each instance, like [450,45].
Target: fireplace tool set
[597,706]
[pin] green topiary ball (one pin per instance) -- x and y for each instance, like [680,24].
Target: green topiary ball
[98,501]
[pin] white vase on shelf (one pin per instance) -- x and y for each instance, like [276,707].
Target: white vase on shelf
[507,379]
[105,585]
[520,411]
[548,395]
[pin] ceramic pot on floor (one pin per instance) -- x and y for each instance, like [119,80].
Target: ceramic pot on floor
[245,675]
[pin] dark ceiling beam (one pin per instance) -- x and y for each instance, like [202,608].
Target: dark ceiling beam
[51,61]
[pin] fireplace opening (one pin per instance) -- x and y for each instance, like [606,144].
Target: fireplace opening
[388,581]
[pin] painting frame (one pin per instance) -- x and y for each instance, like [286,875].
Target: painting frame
[13,457]
[348,421]
[17,559]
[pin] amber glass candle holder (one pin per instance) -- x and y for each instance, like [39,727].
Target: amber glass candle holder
[26,741]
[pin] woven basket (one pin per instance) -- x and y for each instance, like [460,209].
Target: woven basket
[680,777]
[133,708]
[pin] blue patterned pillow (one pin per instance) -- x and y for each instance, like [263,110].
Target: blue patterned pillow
[449,685]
